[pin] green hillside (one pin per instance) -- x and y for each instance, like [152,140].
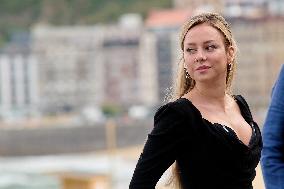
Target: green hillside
[17,15]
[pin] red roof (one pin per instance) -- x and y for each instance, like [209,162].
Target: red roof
[168,18]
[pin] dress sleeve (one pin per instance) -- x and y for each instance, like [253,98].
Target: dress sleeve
[160,149]
[272,159]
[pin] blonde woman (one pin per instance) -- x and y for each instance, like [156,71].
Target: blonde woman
[208,132]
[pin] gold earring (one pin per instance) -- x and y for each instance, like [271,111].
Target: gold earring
[187,76]
[230,66]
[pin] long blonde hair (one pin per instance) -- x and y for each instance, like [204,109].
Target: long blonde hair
[185,84]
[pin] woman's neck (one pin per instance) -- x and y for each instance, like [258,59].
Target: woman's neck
[213,94]
[210,91]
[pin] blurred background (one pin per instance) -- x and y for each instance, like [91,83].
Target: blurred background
[80,81]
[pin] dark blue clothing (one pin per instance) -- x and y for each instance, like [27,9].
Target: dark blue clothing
[272,160]
[209,155]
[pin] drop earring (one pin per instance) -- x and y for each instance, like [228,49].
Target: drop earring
[230,66]
[187,76]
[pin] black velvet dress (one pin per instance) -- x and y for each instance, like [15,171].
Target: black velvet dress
[209,155]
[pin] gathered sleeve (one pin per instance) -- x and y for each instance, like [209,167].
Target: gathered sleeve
[160,149]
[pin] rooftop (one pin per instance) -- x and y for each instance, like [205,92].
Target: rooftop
[168,18]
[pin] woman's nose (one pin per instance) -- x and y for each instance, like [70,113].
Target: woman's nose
[200,56]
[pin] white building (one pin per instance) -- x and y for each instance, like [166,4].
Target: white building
[70,67]
[83,66]
[18,85]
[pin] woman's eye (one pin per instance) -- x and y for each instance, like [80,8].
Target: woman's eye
[190,50]
[211,47]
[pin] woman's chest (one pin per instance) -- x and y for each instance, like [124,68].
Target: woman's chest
[215,144]
[232,121]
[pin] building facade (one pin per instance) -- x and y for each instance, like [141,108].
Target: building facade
[69,69]
[18,86]
[120,51]
[82,66]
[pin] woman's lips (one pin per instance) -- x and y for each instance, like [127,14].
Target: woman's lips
[203,67]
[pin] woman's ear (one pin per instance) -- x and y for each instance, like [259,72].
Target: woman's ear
[231,54]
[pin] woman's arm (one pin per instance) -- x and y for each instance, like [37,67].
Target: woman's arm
[160,149]
[273,138]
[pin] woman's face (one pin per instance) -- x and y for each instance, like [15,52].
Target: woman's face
[205,55]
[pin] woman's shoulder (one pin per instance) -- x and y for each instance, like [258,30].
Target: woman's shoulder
[240,98]
[171,117]
[243,104]
[180,107]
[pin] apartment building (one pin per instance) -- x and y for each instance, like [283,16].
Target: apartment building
[69,67]
[18,80]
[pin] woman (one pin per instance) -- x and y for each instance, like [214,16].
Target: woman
[208,132]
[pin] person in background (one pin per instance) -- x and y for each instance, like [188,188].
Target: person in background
[272,159]
[205,131]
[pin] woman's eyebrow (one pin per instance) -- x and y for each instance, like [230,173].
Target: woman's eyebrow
[209,41]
